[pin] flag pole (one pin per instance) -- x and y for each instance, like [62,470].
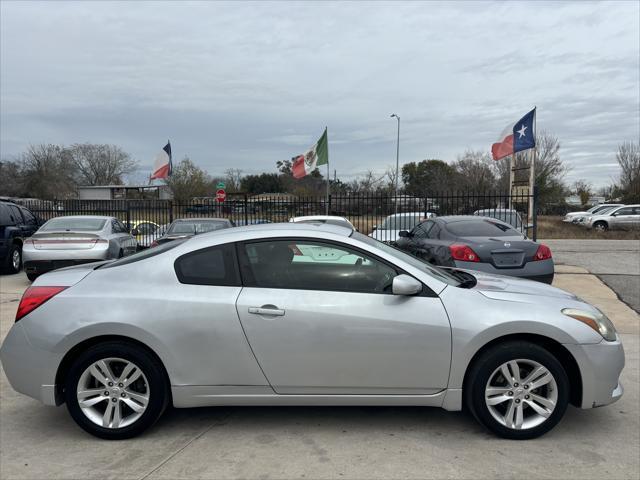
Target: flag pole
[532,172]
[328,173]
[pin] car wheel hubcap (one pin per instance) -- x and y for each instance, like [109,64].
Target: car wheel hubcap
[15,260]
[521,394]
[113,393]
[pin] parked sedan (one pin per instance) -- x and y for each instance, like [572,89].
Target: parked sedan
[231,318]
[388,230]
[479,243]
[189,227]
[73,240]
[626,217]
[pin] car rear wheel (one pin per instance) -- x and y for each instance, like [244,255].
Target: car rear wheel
[116,390]
[32,276]
[518,390]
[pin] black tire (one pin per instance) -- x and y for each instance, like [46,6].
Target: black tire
[601,226]
[485,366]
[32,276]
[153,370]
[120,254]
[9,266]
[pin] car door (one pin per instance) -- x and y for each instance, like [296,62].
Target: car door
[321,319]
[622,218]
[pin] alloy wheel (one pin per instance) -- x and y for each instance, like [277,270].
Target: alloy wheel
[16,260]
[113,393]
[521,394]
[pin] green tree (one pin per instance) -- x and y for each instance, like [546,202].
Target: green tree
[583,189]
[188,181]
[262,183]
[429,176]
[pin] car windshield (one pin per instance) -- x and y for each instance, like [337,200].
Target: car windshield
[510,216]
[605,210]
[481,228]
[73,224]
[195,227]
[438,273]
[401,222]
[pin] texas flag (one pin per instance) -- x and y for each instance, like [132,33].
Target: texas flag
[162,165]
[516,138]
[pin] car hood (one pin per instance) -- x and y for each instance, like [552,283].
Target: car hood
[501,287]
[573,214]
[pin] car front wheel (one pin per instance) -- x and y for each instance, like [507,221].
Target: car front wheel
[116,390]
[601,227]
[518,390]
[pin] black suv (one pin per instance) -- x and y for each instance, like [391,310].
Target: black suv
[16,224]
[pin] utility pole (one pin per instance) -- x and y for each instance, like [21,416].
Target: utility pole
[397,162]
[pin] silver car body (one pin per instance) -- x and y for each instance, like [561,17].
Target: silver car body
[574,217]
[389,229]
[52,247]
[626,217]
[329,219]
[220,347]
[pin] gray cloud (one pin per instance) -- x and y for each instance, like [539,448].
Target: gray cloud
[246,84]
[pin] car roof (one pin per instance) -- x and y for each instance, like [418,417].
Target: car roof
[201,219]
[315,217]
[475,218]
[88,217]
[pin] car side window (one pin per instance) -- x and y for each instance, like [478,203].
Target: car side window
[146,228]
[114,226]
[29,218]
[121,226]
[434,232]
[313,265]
[210,266]
[422,230]
[5,216]
[15,214]
[624,211]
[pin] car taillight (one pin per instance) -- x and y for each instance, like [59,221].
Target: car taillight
[463,253]
[34,297]
[543,253]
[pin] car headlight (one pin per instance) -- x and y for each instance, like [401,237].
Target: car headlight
[598,321]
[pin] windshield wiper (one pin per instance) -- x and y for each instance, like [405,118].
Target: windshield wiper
[466,279]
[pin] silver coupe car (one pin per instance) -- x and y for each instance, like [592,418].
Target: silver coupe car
[305,314]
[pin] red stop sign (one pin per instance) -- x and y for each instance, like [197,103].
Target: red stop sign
[221,195]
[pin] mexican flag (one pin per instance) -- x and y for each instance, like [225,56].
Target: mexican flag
[317,155]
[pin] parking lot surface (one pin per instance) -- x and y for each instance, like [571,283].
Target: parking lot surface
[615,262]
[328,442]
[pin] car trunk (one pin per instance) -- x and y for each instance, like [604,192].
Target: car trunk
[65,240]
[503,252]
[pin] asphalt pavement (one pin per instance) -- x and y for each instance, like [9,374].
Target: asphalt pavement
[615,262]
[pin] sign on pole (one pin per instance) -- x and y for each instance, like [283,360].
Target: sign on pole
[221,186]
[221,195]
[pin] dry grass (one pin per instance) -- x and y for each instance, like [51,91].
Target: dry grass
[554,228]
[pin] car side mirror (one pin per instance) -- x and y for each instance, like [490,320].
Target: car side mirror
[405,285]
[404,234]
[135,232]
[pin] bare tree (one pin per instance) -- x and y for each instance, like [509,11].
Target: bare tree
[188,181]
[583,189]
[476,171]
[48,172]
[98,164]
[233,178]
[628,157]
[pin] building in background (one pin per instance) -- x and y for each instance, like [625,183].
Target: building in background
[124,192]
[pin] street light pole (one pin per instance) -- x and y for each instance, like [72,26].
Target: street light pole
[397,161]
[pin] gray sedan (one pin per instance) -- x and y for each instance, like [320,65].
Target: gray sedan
[479,243]
[305,314]
[72,240]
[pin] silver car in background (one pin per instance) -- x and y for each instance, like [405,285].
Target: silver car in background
[626,217]
[305,314]
[578,217]
[73,240]
[389,229]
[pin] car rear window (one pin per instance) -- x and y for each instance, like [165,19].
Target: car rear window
[74,224]
[196,227]
[144,254]
[210,266]
[481,228]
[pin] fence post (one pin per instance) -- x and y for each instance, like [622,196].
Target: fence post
[246,209]
[329,205]
[534,214]
[128,215]
[170,211]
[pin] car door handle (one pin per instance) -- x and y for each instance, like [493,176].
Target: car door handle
[275,312]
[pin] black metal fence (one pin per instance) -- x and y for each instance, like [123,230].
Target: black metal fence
[363,210]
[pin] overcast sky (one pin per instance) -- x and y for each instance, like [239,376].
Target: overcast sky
[243,85]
